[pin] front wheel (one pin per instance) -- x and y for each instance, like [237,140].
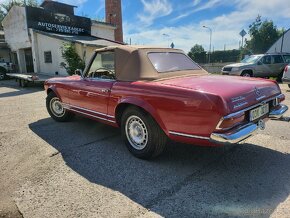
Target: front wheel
[55,108]
[143,136]
[246,74]
[2,76]
[289,85]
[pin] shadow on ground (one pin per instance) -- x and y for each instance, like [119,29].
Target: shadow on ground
[186,181]
[16,90]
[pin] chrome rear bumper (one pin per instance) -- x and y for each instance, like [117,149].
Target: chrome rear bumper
[241,133]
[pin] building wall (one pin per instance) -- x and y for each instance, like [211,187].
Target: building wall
[15,28]
[276,47]
[42,44]
[103,31]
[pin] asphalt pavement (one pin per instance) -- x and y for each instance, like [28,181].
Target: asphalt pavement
[83,169]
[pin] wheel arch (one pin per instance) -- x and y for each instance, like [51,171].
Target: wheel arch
[53,89]
[248,70]
[144,106]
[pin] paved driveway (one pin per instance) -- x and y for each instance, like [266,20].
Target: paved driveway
[83,169]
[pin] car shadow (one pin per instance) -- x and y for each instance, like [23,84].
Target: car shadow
[16,90]
[186,181]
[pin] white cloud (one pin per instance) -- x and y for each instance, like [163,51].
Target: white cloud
[154,9]
[226,27]
[200,7]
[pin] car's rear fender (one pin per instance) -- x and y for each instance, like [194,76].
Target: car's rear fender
[134,101]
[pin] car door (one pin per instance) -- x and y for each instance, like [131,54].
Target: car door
[90,95]
[277,65]
[263,68]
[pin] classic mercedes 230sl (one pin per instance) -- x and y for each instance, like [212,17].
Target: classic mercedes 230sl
[154,94]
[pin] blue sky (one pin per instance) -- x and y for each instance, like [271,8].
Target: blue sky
[146,21]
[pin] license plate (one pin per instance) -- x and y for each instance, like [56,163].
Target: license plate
[259,112]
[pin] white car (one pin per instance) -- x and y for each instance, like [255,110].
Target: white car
[286,75]
[5,67]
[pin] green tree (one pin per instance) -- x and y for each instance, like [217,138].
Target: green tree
[263,35]
[197,54]
[7,5]
[72,59]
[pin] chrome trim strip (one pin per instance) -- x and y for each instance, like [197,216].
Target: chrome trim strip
[278,113]
[95,112]
[100,118]
[235,135]
[189,136]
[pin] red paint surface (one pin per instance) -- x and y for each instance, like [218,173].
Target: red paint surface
[190,105]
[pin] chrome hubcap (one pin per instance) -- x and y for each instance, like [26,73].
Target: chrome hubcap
[136,132]
[247,75]
[56,107]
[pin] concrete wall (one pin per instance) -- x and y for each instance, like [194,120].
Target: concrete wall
[5,55]
[277,45]
[103,31]
[42,44]
[15,28]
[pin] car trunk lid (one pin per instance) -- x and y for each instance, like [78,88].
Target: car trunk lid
[237,92]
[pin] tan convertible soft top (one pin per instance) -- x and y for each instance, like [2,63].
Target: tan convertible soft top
[133,64]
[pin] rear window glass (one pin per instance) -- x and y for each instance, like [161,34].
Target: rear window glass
[170,61]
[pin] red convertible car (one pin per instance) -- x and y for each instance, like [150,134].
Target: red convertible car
[154,94]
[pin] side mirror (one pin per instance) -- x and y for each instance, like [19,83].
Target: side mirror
[79,72]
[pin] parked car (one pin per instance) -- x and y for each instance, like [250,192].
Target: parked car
[154,94]
[262,65]
[5,67]
[286,75]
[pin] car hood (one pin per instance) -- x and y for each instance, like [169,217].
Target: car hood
[237,92]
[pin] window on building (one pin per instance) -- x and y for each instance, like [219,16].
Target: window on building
[47,57]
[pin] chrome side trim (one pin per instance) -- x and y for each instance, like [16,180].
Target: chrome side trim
[278,113]
[188,136]
[90,115]
[81,108]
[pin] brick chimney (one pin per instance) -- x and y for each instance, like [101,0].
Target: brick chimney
[114,16]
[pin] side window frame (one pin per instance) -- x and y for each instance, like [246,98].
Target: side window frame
[281,58]
[88,67]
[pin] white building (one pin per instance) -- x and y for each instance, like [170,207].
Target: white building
[282,44]
[36,36]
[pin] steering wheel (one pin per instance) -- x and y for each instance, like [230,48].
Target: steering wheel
[110,76]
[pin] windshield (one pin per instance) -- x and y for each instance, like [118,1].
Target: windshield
[170,61]
[251,59]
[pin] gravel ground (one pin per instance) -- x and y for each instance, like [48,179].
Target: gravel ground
[82,169]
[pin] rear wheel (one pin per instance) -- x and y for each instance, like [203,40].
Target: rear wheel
[289,85]
[143,136]
[2,76]
[55,108]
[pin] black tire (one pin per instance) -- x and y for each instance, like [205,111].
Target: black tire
[23,83]
[279,77]
[3,72]
[247,74]
[155,141]
[2,76]
[62,115]
[289,85]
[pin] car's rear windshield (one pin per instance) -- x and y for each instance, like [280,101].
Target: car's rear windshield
[171,61]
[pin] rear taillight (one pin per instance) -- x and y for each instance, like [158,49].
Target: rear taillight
[286,69]
[230,122]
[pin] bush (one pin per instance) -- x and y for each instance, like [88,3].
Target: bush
[72,59]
